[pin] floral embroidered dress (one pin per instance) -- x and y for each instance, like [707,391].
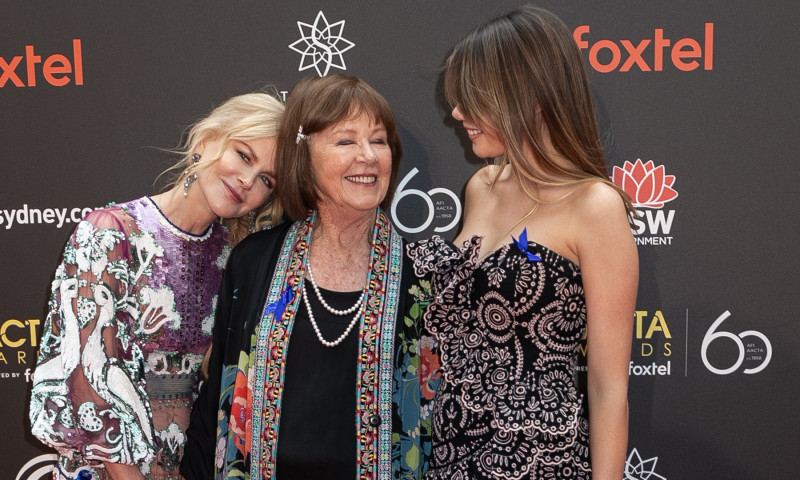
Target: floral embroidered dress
[130,318]
[509,329]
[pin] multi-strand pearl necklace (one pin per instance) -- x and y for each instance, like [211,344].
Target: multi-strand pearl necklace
[355,308]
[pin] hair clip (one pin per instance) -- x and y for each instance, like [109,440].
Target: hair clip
[300,135]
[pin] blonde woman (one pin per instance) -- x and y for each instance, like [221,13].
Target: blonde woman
[133,301]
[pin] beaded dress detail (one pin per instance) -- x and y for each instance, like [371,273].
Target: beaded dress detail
[130,317]
[509,330]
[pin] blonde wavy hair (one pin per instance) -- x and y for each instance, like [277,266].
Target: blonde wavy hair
[243,117]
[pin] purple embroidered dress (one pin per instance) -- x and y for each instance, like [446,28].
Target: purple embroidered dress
[130,318]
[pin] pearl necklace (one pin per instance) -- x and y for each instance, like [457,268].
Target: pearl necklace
[360,303]
[325,304]
[316,328]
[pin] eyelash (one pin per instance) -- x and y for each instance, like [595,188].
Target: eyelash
[264,178]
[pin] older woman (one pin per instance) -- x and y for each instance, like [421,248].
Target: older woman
[312,374]
[133,301]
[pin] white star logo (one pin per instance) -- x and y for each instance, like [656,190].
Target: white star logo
[321,45]
[638,469]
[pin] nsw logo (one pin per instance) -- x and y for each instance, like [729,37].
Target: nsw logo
[650,188]
[321,45]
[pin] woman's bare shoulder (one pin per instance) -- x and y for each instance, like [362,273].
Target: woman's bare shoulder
[600,216]
[482,180]
[598,199]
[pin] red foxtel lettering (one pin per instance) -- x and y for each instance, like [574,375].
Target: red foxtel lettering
[55,69]
[684,53]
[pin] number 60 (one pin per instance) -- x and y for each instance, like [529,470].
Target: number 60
[712,335]
[402,192]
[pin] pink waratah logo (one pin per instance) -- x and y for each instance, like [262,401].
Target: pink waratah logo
[647,185]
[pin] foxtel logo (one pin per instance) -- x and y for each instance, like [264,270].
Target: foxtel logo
[56,68]
[606,55]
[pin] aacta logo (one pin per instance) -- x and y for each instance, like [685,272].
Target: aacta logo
[653,337]
[15,334]
[650,188]
[656,339]
[754,353]
[685,54]
[57,70]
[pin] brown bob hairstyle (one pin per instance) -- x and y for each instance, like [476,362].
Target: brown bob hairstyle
[316,103]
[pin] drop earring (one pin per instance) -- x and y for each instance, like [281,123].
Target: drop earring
[190,178]
[252,226]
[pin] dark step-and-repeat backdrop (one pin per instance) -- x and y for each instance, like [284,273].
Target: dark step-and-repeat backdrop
[699,108]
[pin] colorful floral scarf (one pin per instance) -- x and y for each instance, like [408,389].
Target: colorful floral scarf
[251,442]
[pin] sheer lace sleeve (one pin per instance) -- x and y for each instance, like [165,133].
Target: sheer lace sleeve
[88,399]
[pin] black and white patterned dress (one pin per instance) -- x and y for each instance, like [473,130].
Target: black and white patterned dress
[509,330]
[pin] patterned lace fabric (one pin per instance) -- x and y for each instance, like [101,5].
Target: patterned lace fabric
[509,330]
[129,320]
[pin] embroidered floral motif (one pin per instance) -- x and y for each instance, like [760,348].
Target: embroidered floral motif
[222,260]
[208,322]
[172,440]
[93,247]
[159,310]
[113,316]
[172,437]
[415,380]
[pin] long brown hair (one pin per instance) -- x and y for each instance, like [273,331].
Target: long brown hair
[517,72]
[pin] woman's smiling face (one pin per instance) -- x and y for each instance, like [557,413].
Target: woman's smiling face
[241,179]
[486,140]
[352,164]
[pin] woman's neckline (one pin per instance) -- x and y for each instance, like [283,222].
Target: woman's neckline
[510,245]
[176,230]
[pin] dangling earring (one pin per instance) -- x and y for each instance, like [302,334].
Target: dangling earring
[190,178]
[252,226]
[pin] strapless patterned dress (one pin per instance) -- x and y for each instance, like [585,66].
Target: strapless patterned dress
[509,330]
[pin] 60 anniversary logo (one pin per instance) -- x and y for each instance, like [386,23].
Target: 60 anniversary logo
[751,350]
[451,213]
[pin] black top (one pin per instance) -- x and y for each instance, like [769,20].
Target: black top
[239,310]
[318,416]
[251,263]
